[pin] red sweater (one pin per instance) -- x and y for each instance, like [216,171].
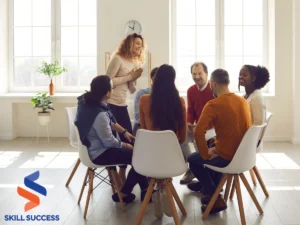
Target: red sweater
[196,101]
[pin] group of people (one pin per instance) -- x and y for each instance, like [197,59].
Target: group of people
[102,113]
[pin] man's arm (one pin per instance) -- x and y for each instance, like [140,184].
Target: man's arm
[136,105]
[191,115]
[202,126]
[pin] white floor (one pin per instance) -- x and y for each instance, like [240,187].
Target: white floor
[279,166]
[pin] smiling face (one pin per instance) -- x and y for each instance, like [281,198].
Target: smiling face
[245,78]
[137,45]
[199,75]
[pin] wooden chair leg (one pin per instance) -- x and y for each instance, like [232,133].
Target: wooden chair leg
[145,202]
[240,199]
[117,185]
[111,180]
[73,172]
[232,191]
[83,185]
[253,177]
[177,199]
[214,197]
[91,177]
[243,178]
[262,184]
[167,189]
[228,185]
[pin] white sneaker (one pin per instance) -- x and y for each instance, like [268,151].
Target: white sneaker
[158,210]
[165,204]
[187,177]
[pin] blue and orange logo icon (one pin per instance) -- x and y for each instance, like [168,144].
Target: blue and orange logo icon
[34,200]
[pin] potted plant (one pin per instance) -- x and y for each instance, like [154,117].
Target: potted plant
[42,101]
[51,70]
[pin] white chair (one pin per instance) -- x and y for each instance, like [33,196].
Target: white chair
[90,174]
[157,154]
[254,171]
[243,160]
[71,115]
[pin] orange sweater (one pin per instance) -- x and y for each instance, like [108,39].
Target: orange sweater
[146,122]
[231,118]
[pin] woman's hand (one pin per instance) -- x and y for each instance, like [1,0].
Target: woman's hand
[129,136]
[136,73]
[126,145]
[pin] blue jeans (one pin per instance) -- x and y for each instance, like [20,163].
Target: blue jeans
[208,178]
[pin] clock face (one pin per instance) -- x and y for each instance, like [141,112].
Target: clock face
[133,26]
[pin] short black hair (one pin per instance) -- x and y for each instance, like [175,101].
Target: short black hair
[153,72]
[261,73]
[220,76]
[197,64]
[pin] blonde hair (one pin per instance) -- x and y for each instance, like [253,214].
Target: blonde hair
[124,49]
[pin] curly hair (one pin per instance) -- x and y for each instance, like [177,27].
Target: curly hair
[124,49]
[261,73]
[166,109]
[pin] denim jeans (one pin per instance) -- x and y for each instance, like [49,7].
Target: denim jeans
[208,178]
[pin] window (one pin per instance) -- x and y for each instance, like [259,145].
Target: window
[220,33]
[48,30]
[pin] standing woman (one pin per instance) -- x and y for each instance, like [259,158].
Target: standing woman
[253,78]
[124,69]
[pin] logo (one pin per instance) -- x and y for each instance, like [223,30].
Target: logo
[33,199]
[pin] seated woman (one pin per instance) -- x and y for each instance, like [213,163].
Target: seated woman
[95,124]
[253,78]
[163,109]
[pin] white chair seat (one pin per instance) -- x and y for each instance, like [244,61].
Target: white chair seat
[160,152]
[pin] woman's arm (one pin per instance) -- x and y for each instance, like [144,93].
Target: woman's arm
[131,86]
[112,70]
[104,131]
[258,110]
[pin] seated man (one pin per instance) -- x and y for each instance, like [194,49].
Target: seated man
[231,118]
[138,96]
[197,96]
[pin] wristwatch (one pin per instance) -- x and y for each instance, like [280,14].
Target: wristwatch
[124,131]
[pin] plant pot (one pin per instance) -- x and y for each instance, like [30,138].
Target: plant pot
[51,88]
[44,118]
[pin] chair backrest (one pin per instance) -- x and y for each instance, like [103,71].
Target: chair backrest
[71,115]
[268,118]
[158,154]
[245,156]
[83,151]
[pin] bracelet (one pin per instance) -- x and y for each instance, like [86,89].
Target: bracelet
[124,131]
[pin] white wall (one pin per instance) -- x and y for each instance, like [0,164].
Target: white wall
[296,72]
[3,45]
[154,17]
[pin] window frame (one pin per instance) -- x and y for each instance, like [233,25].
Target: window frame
[219,34]
[55,52]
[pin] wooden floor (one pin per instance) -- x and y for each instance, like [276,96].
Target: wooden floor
[279,166]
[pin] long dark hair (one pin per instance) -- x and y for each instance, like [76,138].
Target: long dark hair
[166,109]
[100,85]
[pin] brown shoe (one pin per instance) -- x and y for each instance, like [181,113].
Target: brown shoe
[219,206]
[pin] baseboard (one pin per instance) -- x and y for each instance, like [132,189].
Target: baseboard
[6,137]
[279,139]
[296,141]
